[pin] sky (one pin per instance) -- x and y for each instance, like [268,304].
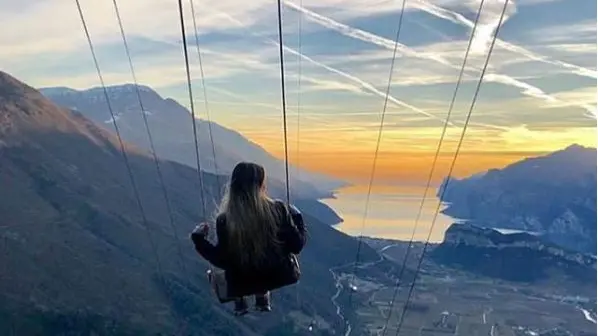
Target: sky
[538,94]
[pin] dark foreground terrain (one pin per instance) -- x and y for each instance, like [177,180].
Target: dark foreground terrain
[447,301]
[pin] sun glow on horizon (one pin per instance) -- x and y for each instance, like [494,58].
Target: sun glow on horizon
[411,161]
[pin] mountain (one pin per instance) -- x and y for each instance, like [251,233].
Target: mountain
[320,210]
[170,124]
[554,195]
[77,257]
[514,256]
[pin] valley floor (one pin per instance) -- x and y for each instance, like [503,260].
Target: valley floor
[450,302]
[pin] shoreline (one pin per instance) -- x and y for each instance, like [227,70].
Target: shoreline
[392,217]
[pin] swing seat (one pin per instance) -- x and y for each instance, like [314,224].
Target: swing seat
[217,280]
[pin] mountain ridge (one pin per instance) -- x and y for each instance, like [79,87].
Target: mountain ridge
[513,256]
[553,194]
[172,142]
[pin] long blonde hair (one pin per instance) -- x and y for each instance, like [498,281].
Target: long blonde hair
[251,218]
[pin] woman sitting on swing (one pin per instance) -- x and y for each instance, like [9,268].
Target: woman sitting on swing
[258,239]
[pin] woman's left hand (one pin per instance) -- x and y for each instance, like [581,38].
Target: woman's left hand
[202,229]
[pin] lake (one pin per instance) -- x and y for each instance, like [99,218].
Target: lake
[391,213]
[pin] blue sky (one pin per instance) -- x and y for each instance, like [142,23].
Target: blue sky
[541,82]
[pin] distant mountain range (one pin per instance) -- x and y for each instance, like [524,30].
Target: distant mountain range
[552,195]
[78,259]
[512,256]
[171,128]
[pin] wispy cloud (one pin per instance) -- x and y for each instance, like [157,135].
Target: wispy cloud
[326,85]
[572,48]
[460,19]
[552,139]
[528,89]
[585,98]
[366,85]
[362,83]
[362,35]
[488,22]
[559,33]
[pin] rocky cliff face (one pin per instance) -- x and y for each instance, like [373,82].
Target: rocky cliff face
[554,195]
[513,256]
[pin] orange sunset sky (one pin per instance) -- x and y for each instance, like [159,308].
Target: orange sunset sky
[406,154]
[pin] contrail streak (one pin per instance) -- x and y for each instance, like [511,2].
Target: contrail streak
[526,89]
[460,19]
[350,77]
[364,84]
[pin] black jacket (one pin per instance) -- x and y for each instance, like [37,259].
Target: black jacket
[281,270]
